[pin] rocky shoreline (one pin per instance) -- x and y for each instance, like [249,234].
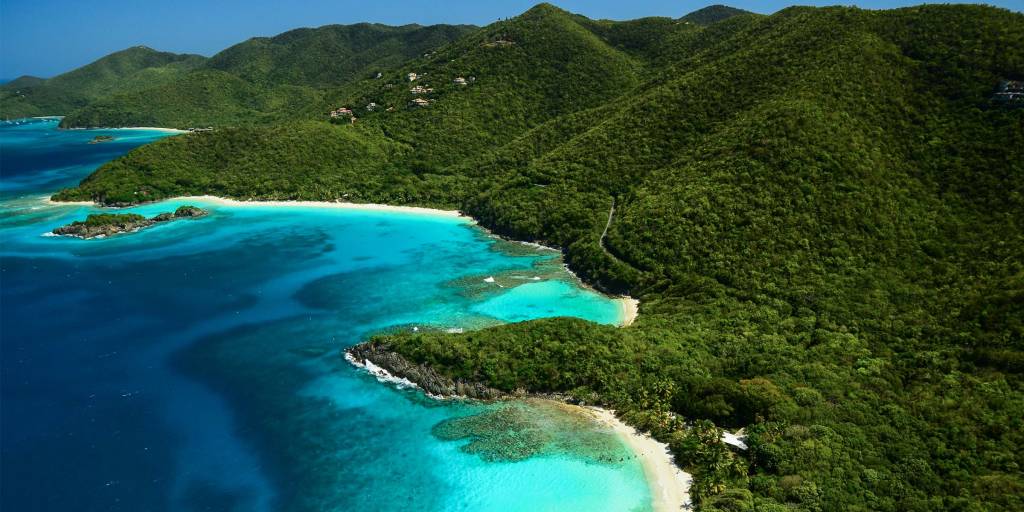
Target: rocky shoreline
[379,354]
[108,224]
[426,378]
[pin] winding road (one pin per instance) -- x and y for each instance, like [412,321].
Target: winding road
[606,226]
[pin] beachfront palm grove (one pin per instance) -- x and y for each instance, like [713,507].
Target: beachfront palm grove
[819,210]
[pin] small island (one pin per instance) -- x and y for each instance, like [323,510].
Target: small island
[107,224]
[101,138]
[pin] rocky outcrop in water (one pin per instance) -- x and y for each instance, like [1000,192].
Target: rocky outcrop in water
[107,224]
[183,212]
[189,211]
[427,378]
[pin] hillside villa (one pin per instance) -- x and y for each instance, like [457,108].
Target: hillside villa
[342,112]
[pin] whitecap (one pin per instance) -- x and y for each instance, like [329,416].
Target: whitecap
[381,374]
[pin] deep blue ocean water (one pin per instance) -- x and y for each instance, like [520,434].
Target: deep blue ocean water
[197,365]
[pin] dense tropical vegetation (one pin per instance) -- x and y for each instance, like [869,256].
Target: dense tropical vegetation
[258,81]
[132,69]
[820,210]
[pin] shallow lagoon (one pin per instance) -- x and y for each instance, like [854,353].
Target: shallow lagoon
[196,365]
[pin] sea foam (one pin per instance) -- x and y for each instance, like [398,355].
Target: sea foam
[381,374]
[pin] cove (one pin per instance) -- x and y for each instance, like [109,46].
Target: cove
[197,365]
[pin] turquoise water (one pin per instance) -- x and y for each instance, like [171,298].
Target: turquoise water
[197,365]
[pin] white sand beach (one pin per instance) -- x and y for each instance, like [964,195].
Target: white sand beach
[670,486]
[152,128]
[327,204]
[630,310]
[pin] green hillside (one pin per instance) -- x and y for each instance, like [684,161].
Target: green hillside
[549,66]
[258,81]
[129,69]
[322,159]
[820,211]
[104,75]
[265,79]
[201,98]
[519,73]
[331,55]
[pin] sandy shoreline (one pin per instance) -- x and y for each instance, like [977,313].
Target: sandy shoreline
[670,486]
[630,309]
[327,204]
[151,128]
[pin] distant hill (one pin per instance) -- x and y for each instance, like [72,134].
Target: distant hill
[819,210]
[713,14]
[24,81]
[258,81]
[105,74]
[129,69]
[330,55]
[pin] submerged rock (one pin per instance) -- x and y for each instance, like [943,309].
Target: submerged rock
[107,224]
[518,430]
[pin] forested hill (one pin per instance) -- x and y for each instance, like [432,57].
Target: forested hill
[255,82]
[133,68]
[331,55]
[820,210]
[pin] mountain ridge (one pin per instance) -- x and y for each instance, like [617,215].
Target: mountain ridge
[713,14]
